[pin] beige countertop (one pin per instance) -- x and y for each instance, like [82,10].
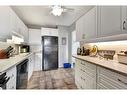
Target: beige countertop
[110,64]
[5,64]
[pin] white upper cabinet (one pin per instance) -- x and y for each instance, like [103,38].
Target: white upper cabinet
[23,30]
[13,21]
[124,19]
[79,28]
[35,36]
[49,32]
[109,20]
[4,22]
[86,26]
[9,23]
[90,24]
[54,32]
[102,21]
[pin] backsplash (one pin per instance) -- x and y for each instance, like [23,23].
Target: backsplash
[114,45]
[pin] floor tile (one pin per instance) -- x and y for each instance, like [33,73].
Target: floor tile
[53,79]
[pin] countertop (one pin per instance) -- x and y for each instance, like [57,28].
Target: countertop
[109,64]
[5,64]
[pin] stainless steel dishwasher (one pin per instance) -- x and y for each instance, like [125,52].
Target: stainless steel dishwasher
[22,75]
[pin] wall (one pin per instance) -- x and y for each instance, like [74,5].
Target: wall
[112,45]
[71,29]
[63,49]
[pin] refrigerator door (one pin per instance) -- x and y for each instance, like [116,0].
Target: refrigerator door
[50,53]
[50,41]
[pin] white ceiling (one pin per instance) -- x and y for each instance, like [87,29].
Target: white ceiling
[37,16]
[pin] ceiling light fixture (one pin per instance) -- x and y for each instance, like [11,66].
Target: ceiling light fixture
[57,10]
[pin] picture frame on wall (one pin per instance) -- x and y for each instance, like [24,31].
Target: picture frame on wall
[63,40]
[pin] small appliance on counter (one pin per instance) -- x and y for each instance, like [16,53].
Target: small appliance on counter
[79,51]
[24,48]
[85,51]
[122,57]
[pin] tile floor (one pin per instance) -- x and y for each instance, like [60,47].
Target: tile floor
[53,79]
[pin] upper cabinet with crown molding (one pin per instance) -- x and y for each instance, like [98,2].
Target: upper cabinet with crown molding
[9,22]
[109,20]
[102,21]
[5,24]
[86,26]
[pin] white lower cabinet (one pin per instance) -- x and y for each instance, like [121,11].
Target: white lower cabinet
[38,62]
[11,84]
[90,76]
[85,75]
[30,66]
[108,79]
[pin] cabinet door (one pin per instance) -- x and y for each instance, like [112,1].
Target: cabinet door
[30,66]
[38,62]
[90,24]
[109,20]
[45,31]
[54,32]
[4,22]
[79,33]
[88,82]
[124,19]
[24,32]
[35,36]
[11,84]
[13,21]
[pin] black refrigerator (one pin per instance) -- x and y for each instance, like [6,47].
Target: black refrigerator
[49,52]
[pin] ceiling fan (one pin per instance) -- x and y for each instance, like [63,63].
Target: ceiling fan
[58,10]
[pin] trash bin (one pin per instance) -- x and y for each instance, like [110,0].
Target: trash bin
[67,65]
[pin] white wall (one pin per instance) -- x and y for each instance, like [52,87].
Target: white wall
[63,49]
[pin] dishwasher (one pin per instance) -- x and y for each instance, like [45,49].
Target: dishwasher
[22,74]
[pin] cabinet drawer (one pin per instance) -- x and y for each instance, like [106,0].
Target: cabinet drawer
[122,79]
[111,79]
[89,65]
[88,82]
[108,73]
[107,82]
[88,72]
[88,68]
[101,86]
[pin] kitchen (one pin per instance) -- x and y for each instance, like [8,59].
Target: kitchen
[83,47]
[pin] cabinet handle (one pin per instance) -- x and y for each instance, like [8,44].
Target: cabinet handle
[124,22]
[122,81]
